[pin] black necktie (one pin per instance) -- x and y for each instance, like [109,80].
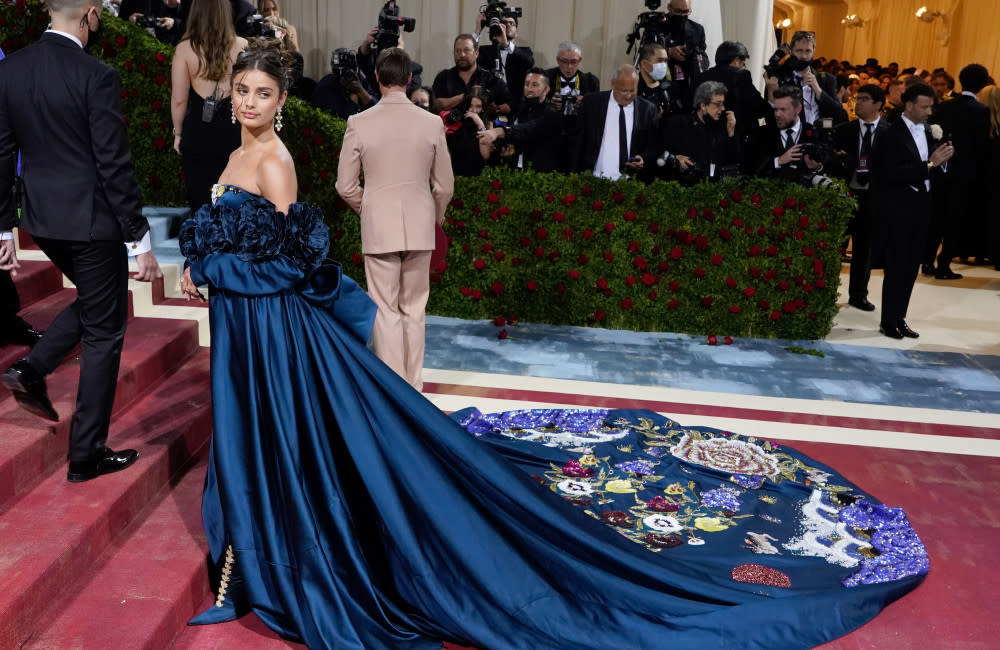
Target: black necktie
[622,140]
[789,138]
[866,149]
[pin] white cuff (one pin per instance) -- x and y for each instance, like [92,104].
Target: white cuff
[6,234]
[777,165]
[144,245]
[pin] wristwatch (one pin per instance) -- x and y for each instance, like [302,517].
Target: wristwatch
[930,164]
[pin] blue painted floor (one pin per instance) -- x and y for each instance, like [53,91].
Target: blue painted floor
[849,373]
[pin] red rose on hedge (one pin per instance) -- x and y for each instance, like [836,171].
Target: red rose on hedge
[633,246]
[609,257]
[724,204]
[561,288]
[558,216]
[784,285]
[356,258]
[640,263]
[495,184]
[717,259]
[504,211]
[763,304]
[725,235]
[466,291]
[598,206]
[749,292]
[618,197]
[791,202]
[630,280]
[692,213]
[733,309]
[567,233]
[542,233]
[701,242]
[569,199]
[775,315]
[630,216]
[573,273]
[598,315]
[479,264]
[627,303]
[663,266]
[587,234]
[754,251]
[676,253]
[789,307]
[772,250]
[500,321]
[699,272]
[609,227]
[675,285]
[707,301]
[808,252]
[497,288]
[532,285]
[673,304]
[737,195]
[648,279]
[770,274]
[731,282]
[708,214]
[498,256]
[654,228]
[602,283]
[583,259]
[778,211]
[492,198]
[550,197]
[754,272]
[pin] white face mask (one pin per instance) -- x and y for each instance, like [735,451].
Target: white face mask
[659,72]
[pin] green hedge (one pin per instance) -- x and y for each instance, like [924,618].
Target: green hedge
[741,258]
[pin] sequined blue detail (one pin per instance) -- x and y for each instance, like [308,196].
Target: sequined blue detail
[579,422]
[723,498]
[902,553]
[636,467]
[748,482]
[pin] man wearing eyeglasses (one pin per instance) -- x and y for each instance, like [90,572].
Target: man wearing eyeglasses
[62,109]
[506,60]
[742,97]
[567,83]
[702,144]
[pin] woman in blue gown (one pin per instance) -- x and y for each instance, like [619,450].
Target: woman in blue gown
[347,511]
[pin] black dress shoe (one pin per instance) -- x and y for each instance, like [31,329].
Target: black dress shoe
[861,303]
[927,269]
[905,330]
[108,462]
[20,332]
[947,274]
[890,331]
[29,390]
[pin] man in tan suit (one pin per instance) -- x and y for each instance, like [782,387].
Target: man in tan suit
[408,184]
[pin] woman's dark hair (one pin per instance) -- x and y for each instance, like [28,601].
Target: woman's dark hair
[270,57]
[211,33]
[475,92]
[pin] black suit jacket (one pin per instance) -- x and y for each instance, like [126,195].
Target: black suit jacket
[589,83]
[592,114]
[62,108]
[519,62]
[768,143]
[847,142]
[968,123]
[742,97]
[537,133]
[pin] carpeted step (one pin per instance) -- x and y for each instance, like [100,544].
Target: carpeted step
[146,587]
[37,280]
[24,240]
[39,314]
[31,447]
[54,536]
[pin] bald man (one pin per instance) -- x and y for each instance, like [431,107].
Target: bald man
[616,129]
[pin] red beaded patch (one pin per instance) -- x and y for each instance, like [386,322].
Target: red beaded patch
[761,575]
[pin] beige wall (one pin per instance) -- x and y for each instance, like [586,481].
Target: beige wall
[891,32]
[600,26]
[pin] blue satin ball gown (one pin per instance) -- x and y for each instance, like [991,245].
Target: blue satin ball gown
[347,511]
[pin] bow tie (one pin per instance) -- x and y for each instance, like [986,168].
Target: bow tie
[566,84]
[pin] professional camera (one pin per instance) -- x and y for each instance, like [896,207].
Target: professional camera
[260,27]
[147,22]
[784,66]
[389,22]
[655,27]
[569,102]
[822,150]
[493,14]
[344,65]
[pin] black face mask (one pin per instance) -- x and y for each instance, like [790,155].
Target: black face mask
[85,21]
[677,21]
[799,65]
[531,101]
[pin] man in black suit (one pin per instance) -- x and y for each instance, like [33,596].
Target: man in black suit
[506,60]
[687,51]
[961,224]
[853,142]
[742,96]
[170,17]
[566,79]
[616,129]
[780,151]
[62,109]
[534,135]
[819,89]
[903,160]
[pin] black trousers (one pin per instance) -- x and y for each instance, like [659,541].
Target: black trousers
[10,304]
[95,320]
[908,225]
[862,230]
[941,231]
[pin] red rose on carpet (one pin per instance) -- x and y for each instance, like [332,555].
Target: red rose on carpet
[713,340]
[500,321]
[717,259]
[502,334]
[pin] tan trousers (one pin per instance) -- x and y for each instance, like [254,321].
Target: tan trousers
[399,284]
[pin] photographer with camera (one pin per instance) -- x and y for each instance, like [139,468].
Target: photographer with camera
[462,126]
[654,84]
[702,144]
[794,67]
[685,43]
[343,92]
[566,81]
[793,149]
[269,10]
[385,35]
[451,85]
[533,137]
[247,22]
[742,96]
[164,19]
[506,60]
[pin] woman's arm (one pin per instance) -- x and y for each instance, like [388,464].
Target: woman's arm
[293,36]
[180,84]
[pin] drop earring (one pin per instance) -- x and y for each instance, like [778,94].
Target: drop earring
[232,110]
[277,120]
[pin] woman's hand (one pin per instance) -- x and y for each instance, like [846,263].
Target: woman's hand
[188,287]
[478,121]
[177,143]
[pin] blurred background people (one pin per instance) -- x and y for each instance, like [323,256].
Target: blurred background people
[452,84]
[992,97]
[205,129]
[421,96]
[704,143]
[534,134]
[164,19]
[269,9]
[505,59]
[462,127]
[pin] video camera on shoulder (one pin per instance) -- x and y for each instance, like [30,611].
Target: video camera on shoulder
[493,14]
[344,66]
[260,27]
[389,23]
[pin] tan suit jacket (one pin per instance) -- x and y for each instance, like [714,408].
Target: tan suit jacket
[407,170]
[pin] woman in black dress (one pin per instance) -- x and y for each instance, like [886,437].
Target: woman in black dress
[205,132]
[462,126]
